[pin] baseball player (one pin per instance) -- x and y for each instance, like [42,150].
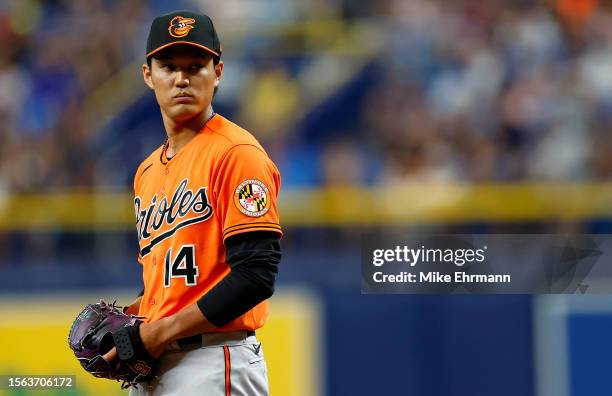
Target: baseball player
[207,222]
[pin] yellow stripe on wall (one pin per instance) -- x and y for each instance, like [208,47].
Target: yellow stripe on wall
[416,203]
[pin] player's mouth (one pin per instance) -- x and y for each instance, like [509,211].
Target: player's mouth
[183,98]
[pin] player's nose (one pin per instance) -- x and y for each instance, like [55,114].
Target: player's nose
[181,79]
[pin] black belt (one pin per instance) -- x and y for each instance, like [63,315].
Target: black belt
[196,340]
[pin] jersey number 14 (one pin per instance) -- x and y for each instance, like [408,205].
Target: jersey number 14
[183,266]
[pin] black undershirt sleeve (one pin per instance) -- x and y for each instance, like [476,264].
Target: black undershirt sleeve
[253,258]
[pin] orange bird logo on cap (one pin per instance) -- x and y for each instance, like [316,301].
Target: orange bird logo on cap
[180,26]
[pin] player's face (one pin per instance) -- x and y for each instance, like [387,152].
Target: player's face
[184,79]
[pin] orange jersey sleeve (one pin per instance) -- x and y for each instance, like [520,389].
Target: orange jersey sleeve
[247,191]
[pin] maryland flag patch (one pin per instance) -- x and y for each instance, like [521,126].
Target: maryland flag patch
[251,198]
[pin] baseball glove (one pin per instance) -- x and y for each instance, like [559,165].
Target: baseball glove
[96,330]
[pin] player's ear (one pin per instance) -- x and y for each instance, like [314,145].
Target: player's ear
[146,75]
[218,73]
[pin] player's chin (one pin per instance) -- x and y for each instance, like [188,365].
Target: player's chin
[183,112]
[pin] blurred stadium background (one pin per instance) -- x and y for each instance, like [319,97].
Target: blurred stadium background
[426,115]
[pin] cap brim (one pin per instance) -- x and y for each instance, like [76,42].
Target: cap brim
[183,42]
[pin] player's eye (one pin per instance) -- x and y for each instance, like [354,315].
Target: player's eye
[196,66]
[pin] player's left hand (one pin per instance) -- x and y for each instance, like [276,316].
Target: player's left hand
[129,362]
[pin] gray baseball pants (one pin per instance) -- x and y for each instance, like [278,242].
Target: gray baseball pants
[227,364]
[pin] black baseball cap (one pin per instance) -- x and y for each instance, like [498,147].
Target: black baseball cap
[183,27]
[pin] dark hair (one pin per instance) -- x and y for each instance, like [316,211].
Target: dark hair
[216,61]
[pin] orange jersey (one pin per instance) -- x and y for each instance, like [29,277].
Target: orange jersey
[222,183]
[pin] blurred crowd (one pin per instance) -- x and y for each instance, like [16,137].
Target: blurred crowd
[494,91]
[52,55]
[455,91]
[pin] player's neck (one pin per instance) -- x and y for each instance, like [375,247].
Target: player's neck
[181,133]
